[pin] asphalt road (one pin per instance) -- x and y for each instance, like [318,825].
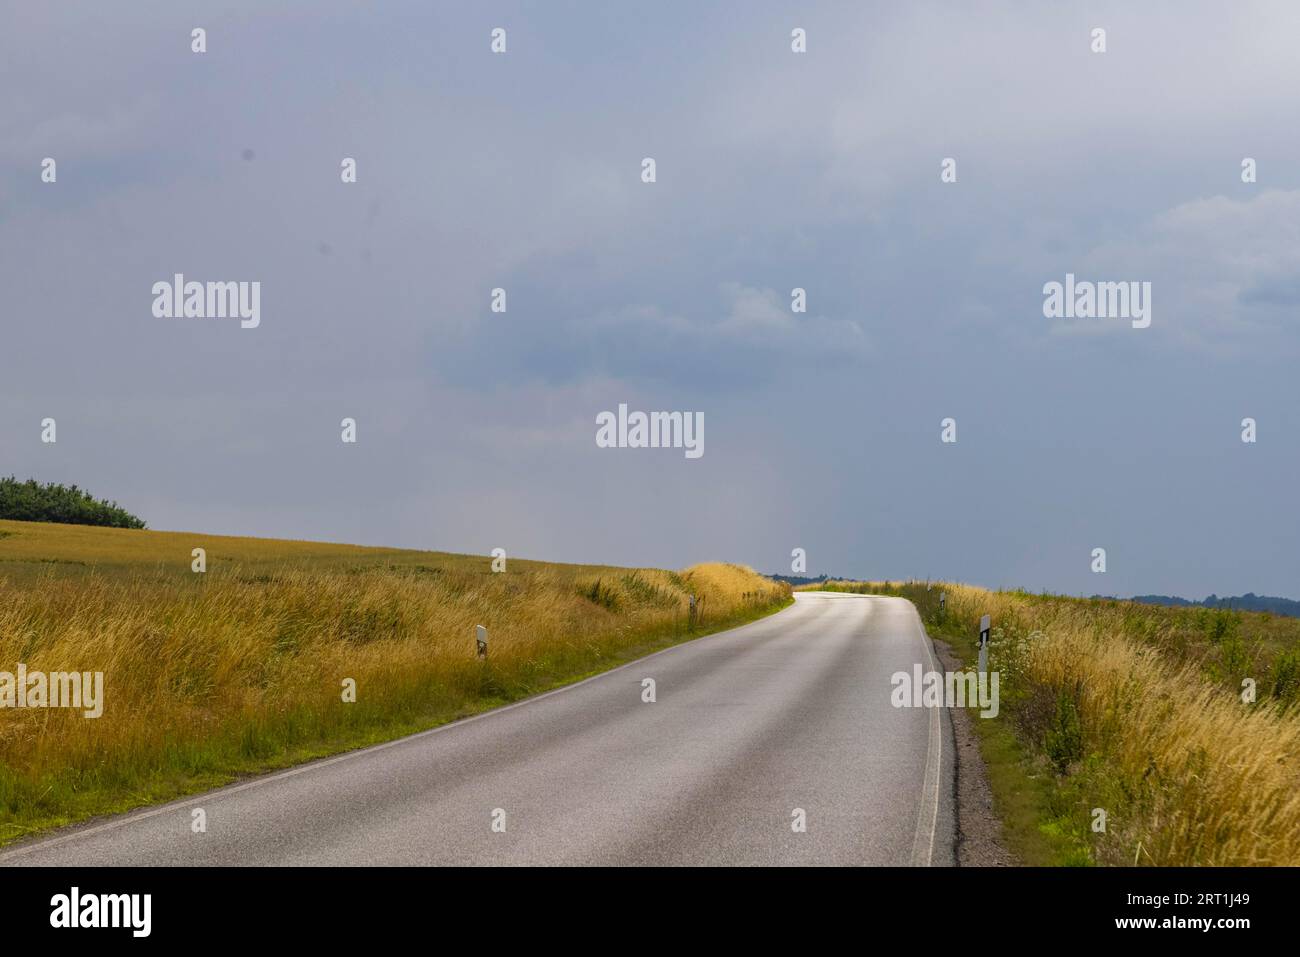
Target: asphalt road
[792,711]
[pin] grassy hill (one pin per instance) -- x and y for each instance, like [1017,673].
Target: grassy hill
[241,669]
[1137,711]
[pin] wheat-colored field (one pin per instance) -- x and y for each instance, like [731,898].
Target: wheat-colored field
[1137,711]
[243,668]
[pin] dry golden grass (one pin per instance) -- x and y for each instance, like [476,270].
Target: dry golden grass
[1187,773]
[241,668]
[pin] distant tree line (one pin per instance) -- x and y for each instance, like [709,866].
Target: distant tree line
[66,504]
[1247,602]
[797,580]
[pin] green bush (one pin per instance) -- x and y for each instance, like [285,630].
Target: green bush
[1220,626]
[1286,677]
[1064,739]
[65,504]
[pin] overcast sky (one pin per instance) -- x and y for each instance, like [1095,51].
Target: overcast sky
[775,170]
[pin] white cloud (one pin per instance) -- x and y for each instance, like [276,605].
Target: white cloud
[1225,272]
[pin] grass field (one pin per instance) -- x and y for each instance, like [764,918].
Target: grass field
[1136,711]
[241,669]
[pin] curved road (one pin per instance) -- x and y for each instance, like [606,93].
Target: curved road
[792,711]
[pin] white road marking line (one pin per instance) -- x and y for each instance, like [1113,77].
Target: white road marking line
[923,843]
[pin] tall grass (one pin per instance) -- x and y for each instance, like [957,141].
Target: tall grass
[1132,718]
[208,676]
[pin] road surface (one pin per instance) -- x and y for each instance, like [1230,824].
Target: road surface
[790,712]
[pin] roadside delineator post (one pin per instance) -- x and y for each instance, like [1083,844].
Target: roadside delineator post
[481,636]
[984,644]
[943,600]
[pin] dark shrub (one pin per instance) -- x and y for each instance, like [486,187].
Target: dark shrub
[65,504]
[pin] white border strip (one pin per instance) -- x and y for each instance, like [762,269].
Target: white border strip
[923,843]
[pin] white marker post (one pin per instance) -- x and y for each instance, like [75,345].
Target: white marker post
[984,644]
[481,633]
[943,600]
